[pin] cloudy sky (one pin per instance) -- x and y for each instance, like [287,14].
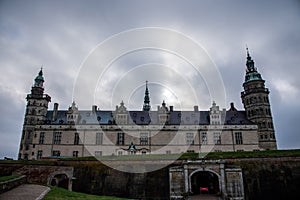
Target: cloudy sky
[61,36]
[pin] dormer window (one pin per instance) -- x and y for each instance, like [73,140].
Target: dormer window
[121,114]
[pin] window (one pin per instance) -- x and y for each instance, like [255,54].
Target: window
[120,140]
[168,152]
[144,139]
[75,154]
[57,138]
[55,153]
[98,153]
[189,138]
[238,138]
[39,154]
[204,138]
[76,139]
[28,135]
[42,137]
[163,119]
[99,138]
[120,153]
[217,138]
[261,137]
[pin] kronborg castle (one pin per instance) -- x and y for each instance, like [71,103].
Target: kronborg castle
[77,133]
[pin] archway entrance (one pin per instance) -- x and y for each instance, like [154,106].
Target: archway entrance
[205,182]
[60,180]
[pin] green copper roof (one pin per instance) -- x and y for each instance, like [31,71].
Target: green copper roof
[251,72]
[146,106]
[132,147]
[38,81]
[251,76]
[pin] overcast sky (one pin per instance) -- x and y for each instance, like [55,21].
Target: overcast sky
[60,35]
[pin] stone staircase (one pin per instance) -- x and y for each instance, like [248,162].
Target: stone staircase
[10,184]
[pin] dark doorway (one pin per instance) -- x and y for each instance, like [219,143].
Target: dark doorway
[205,182]
[60,180]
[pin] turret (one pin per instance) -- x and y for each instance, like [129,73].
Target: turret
[36,111]
[255,98]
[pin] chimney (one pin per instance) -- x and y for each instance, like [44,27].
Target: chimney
[232,108]
[171,108]
[196,109]
[55,109]
[94,108]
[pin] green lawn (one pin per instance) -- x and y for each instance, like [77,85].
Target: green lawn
[6,178]
[62,194]
[210,155]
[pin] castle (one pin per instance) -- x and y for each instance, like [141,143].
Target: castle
[79,133]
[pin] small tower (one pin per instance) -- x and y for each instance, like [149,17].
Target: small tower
[255,98]
[35,114]
[146,106]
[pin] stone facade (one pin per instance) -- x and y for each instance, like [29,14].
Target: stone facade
[226,182]
[78,133]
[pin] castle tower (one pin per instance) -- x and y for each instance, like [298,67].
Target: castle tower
[146,106]
[255,98]
[36,110]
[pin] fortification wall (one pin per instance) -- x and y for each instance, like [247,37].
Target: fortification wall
[263,178]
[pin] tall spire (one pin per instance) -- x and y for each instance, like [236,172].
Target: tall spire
[251,72]
[39,80]
[250,62]
[146,106]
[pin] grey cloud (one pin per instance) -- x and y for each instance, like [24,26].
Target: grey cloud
[61,34]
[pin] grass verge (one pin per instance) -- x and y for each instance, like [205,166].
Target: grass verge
[6,178]
[61,194]
[184,156]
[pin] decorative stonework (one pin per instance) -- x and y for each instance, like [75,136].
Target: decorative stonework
[227,182]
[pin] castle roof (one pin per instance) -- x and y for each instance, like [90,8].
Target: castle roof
[232,117]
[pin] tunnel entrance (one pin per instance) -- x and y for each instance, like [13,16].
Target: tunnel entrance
[60,180]
[205,182]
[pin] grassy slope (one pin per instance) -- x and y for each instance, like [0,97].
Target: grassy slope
[211,155]
[6,178]
[62,194]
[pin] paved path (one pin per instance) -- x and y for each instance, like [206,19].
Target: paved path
[204,197]
[26,192]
